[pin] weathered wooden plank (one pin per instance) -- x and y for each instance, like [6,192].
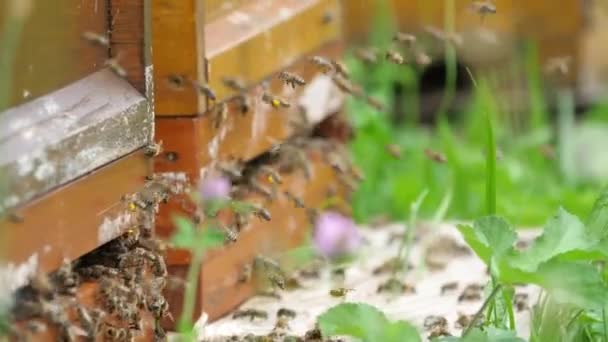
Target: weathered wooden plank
[51,56]
[73,219]
[128,41]
[216,8]
[178,44]
[58,137]
[219,289]
[254,42]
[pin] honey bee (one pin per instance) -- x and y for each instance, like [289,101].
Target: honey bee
[404,38]
[275,102]
[520,300]
[435,156]
[344,85]
[205,89]
[234,83]
[231,234]
[154,149]
[394,57]
[15,217]
[422,59]
[262,213]
[437,326]
[291,79]
[244,103]
[558,65]
[284,312]
[98,271]
[298,203]
[375,103]
[176,81]
[435,32]
[323,64]
[35,327]
[395,286]
[367,55]
[357,173]
[464,321]
[483,8]
[262,190]
[340,292]
[448,287]
[340,69]
[273,176]
[391,265]
[394,150]
[96,38]
[471,292]
[220,115]
[251,313]
[115,66]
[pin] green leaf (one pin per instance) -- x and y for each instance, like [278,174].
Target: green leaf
[597,222]
[495,233]
[185,237]
[563,233]
[211,237]
[365,322]
[490,334]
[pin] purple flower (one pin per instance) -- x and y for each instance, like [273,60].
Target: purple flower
[214,188]
[335,235]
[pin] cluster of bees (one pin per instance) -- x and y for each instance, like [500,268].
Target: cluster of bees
[131,275]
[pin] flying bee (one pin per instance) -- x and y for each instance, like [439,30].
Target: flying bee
[435,32]
[340,69]
[483,8]
[422,59]
[115,66]
[520,300]
[435,156]
[394,57]
[298,203]
[234,83]
[394,150]
[375,103]
[454,38]
[448,287]
[275,102]
[404,38]
[220,114]
[96,38]
[340,292]
[205,89]
[367,55]
[251,313]
[343,85]
[558,65]
[153,149]
[291,79]
[323,64]
[244,103]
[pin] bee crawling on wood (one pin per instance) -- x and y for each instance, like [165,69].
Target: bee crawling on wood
[176,81]
[220,115]
[394,57]
[231,234]
[204,89]
[154,149]
[435,156]
[234,83]
[340,292]
[262,213]
[274,101]
[96,38]
[251,313]
[297,201]
[323,64]
[291,79]
[273,175]
[244,102]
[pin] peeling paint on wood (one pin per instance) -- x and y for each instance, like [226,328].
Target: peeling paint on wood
[54,139]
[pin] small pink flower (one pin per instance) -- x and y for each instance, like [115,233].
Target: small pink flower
[335,235]
[214,188]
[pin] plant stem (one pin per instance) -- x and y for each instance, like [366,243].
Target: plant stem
[185,321]
[604,324]
[509,304]
[405,247]
[490,168]
[481,310]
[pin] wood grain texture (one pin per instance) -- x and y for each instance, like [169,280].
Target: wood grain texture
[74,219]
[53,55]
[214,9]
[219,290]
[127,42]
[178,50]
[257,42]
[54,139]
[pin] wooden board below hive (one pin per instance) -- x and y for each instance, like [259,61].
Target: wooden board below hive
[220,290]
[74,219]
